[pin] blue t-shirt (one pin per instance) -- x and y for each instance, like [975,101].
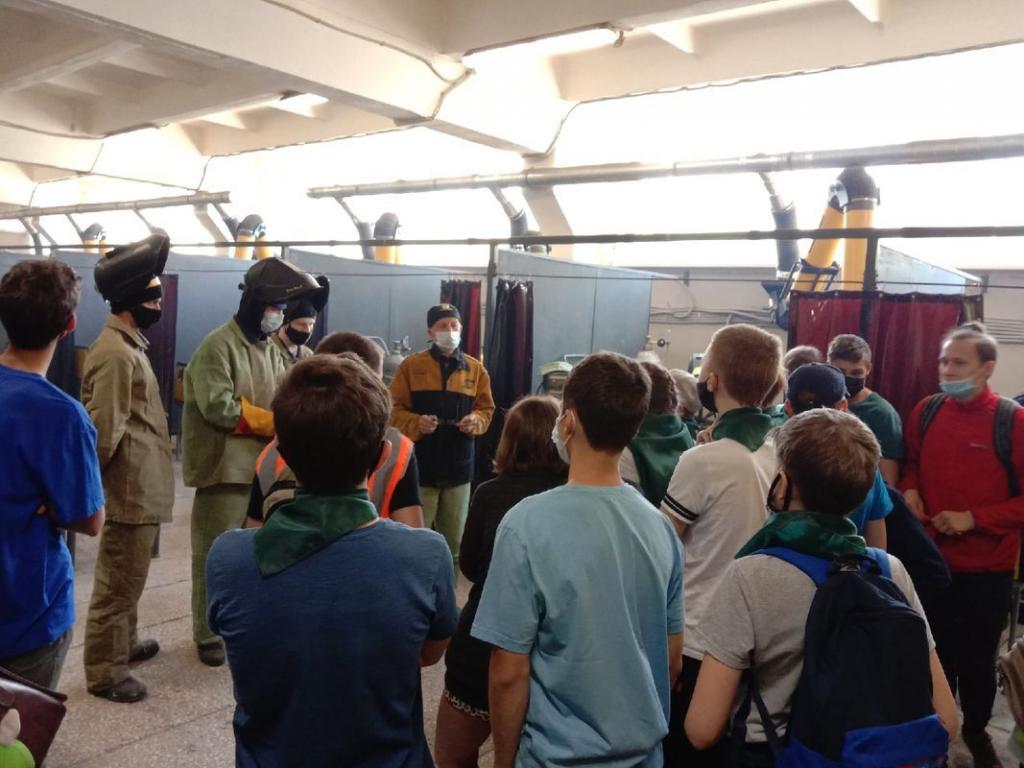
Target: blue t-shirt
[325,655]
[47,455]
[876,505]
[589,582]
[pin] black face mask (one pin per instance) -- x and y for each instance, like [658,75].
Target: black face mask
[298,338]
[854,386]
[145,317]
[706,397]
[786,498]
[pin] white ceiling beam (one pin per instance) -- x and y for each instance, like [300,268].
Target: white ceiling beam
[810,38]
[83,83]
[311,57]
[678,34]
[15,185]
[869,9]
[55,63]
[229,119]
[170,101]
[163,67]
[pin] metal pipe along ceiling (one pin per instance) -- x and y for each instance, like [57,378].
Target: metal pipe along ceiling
[918,152]
[200,198]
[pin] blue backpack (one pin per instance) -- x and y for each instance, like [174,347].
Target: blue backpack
[864,698]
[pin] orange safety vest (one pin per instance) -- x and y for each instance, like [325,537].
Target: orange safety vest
[381,484]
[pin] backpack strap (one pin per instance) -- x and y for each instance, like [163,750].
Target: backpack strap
[881,559]
[1002,437]
[929,412]
[815,568]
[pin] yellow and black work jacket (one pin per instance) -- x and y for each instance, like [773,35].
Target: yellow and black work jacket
[430,384]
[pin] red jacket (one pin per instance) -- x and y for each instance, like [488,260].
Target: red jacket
[957,470]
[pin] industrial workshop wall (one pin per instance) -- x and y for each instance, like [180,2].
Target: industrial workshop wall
[580,308]
[389,301]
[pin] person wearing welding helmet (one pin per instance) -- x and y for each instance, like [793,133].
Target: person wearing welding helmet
[122,397]
[226,421]
[300,316]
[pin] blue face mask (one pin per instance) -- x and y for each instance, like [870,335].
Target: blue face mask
[961,389]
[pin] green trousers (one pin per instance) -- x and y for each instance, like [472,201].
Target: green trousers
[111,630]
[216,509]
[444,510]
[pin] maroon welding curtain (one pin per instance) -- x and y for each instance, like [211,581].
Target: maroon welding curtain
[903,330]
[465,295]
[509,361]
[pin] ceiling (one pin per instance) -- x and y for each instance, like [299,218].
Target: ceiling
[149,90]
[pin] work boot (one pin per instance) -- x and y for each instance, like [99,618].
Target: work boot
[128,691]
[144,651]
[212,654]
[979,743]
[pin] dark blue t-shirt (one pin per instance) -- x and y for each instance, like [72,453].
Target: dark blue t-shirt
[47,455]
[325,654]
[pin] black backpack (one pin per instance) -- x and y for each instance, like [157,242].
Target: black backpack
[1002,434]
[865,692]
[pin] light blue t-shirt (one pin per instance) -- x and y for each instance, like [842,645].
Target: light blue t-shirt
[876,505]
[589,582]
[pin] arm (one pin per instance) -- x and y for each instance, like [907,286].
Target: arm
[890,469]
[684,500]
[402,417]
[508,693]
[675,658]
[109,405]
[942,697]
[432,651]
[90,526]
[210,378]
[912,444]
[483,406]
[708,716]
[875,534]
[411,516]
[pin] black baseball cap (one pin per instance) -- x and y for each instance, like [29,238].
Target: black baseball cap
[441,311]
[815,385]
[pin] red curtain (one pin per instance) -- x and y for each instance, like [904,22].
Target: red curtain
[465,295]
[903,330]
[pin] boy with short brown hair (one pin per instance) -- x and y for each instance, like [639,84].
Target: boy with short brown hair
[716,496]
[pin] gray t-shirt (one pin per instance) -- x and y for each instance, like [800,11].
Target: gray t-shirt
[756,620]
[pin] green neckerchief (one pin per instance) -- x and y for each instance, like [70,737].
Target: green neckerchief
[777,413]
[307,524]
[692,427]
[748,426]
[811,533]
[656,450]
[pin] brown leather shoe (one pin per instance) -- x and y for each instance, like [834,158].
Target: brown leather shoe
[144,651]
[212,654]
[128,691]
[979,743]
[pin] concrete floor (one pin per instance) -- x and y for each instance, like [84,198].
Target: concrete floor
[187,718]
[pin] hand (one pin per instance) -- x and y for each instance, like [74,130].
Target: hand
[42,511]
[469,424]
[704,436]
[428,425]
[916,504]
[953,523]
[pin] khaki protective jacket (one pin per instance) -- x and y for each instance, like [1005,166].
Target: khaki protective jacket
[121,394]
[226,375]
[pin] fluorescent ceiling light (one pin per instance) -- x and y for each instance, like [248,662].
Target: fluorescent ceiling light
[543,47]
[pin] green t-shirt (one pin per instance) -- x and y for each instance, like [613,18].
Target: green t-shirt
[883,420]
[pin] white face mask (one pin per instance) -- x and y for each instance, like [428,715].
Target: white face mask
[448,340]
[272,323]
[560,446]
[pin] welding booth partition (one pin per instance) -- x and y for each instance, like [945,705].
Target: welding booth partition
[547,309]
[904,332]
